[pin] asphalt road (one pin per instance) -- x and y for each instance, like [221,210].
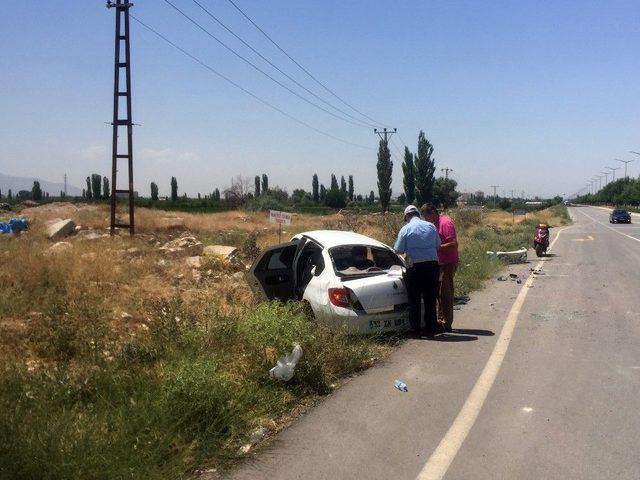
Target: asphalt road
[540,381]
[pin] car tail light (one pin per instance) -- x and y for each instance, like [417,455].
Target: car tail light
[339,297]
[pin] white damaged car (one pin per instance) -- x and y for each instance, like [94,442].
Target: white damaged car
[347,279]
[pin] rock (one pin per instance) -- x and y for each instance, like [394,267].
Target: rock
[195,273]
[59,247]
[183,246]
[223,251]
[126,316]
[193,262]
[61,229]
[239,276]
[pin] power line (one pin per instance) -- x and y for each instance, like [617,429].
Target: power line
[301,67]
[240,87]
[254,66]
[204,9]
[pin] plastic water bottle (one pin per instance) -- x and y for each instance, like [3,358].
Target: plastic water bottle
[400,385]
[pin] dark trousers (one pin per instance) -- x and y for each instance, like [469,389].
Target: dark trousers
[422,285]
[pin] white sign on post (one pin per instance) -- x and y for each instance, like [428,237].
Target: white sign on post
[283,218]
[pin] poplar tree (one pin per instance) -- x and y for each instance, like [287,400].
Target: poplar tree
[174,189]
[350,188]
[424,170]
[314,188]
[409,177]
[256,186]
[385,168]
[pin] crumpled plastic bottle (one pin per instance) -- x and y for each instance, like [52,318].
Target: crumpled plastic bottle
[400,385]
[286,365]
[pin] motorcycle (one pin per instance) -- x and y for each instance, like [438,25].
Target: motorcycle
[541,239]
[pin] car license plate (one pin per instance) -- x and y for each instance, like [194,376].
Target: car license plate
[378,324]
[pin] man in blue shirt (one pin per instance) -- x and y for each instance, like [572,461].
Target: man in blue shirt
[419,241]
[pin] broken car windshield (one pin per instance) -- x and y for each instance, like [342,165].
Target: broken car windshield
[362,259]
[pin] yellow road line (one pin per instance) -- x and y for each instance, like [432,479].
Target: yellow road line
[440,460]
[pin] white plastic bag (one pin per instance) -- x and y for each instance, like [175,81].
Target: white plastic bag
[285,368]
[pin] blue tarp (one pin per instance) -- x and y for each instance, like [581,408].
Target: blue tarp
[14,225]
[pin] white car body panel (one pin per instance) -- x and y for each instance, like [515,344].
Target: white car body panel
[382,296]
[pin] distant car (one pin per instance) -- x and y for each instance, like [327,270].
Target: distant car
[347,279]
[619,216]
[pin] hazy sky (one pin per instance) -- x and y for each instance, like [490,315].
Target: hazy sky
[534,96]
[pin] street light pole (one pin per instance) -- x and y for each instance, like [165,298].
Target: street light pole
[613,172]
[625,166]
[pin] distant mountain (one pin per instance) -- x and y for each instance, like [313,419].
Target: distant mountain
[25,183]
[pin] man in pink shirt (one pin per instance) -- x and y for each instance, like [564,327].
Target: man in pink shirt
[448,259]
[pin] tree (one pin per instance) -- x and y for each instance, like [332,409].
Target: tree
[402,199]
[351,188]
[343,185]
[0,194]
[385,168]
[105,187]
[84,193]
[409,177]
[88,191]
[265,184]
[9,195]
[335,198]
[334,182]
[96,185]
[424,170]
[154,192]
[174,189]
[36,191]
[372,197]
[216,194]
[444,192]
[323,193]
[314,188]
[256,186]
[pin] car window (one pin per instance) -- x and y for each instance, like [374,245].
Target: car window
[281,259]
[362,259]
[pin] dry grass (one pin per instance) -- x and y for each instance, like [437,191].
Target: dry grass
[119,358]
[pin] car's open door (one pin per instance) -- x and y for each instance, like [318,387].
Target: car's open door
[272,274]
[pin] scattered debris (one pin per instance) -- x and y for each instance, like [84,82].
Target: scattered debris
[502,278]
[61,229]
[14,225]
[463,300]
[285,367]
[515,256]
[400,385]
[187,246]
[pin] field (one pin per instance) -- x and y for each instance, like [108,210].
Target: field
[118,360]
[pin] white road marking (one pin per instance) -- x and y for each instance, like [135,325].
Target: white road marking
[589,238]
[440,460]
[610,228]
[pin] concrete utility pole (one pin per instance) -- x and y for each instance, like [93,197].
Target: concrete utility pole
[606,177]
[613,172]
[121,42]
[446,171]
[385,134]
[626,162]
[494,194]
[65,185]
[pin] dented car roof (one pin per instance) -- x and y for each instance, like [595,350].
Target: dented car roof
[334,238]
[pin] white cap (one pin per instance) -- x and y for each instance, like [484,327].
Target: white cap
[411,209]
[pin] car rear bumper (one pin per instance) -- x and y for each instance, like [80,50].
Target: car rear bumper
[373,323]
